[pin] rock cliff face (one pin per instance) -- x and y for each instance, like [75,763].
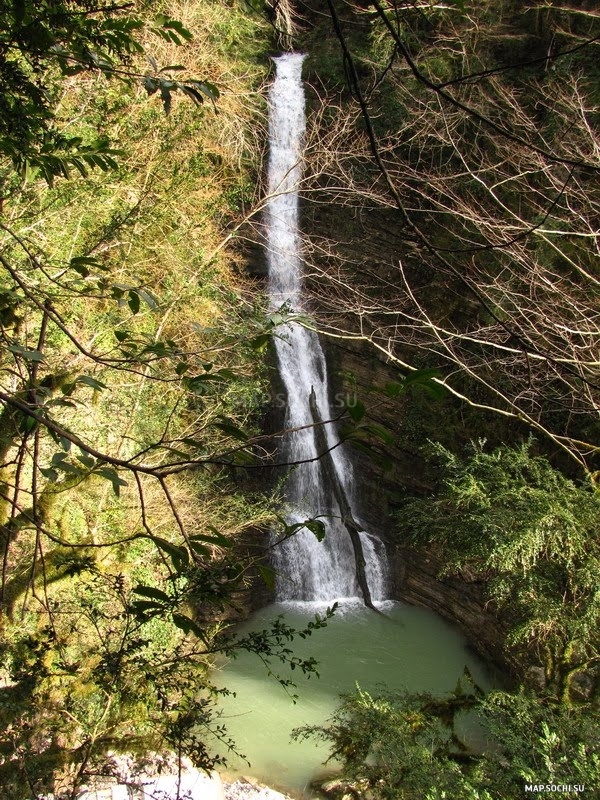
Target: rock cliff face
[383,477]
[381,487]
[384,474]
[459,599]
[380,484]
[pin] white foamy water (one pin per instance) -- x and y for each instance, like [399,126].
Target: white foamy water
[307,569]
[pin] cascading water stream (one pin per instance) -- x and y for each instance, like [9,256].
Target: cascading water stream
[407,648]
[306,569]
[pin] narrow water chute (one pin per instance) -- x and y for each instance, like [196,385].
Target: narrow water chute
[307,569]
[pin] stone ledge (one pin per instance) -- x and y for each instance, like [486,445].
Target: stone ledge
[158,778]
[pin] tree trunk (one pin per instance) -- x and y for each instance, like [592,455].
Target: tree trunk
[342,500]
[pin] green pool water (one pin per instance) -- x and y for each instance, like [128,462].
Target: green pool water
[404,648]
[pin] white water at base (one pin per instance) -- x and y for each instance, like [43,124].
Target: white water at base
[306,568]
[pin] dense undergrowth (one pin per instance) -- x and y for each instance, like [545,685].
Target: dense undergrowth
[132,375]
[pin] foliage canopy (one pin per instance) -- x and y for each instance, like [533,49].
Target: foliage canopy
[402,746]
[508,518]
[42,44]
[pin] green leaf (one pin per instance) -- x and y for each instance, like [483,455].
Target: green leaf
[165,96]
[317,527]
[64,443]
[28,355]
[380,432]
[148,298]
[134,301]
[225,374]
[201,549]
[356,410]
[425,379]
[151,591]
[83,262]
[216,537]
[242,458]
[231,430]
[381,460]
[195,443]
[87,380]
[111,475]
[276,319]
[58,462]
[27,424]
[179,28]
[140,606]
[86,459]
[393,389]
[60,401]
[268,575]
[191,92]
[19,11]
[201,384]
[259,343]
[150,85]
[179,555]
[183,623]
[209,89]
[188,625]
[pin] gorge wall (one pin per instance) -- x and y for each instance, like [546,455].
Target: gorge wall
[359,254]
[390,472]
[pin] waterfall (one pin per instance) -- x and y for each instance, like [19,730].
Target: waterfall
[306,568]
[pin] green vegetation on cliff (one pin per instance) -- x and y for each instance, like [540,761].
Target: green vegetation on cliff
[404,747]
[508,519]
[131,372]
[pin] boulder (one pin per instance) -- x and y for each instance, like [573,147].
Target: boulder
[338,789]
[154,778]
[249,789]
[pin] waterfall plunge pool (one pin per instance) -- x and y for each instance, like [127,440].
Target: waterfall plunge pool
[406,648]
